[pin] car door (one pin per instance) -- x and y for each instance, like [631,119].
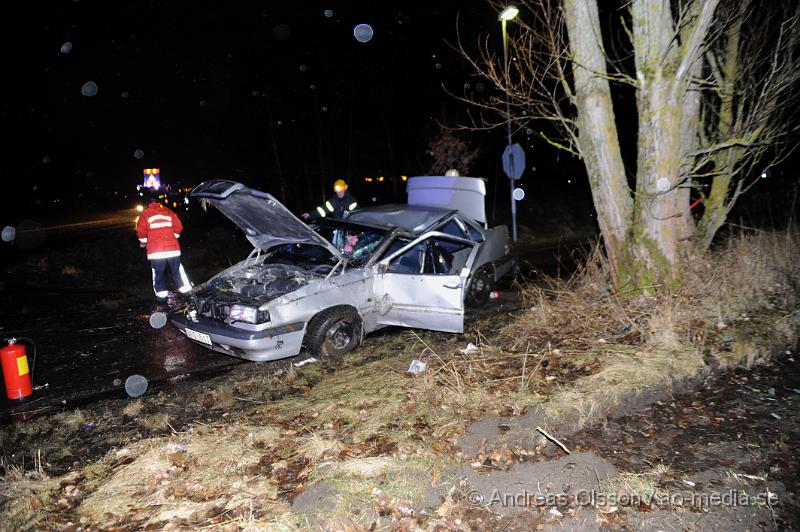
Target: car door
[422,283]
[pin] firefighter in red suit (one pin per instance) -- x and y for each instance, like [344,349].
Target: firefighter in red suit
[158,229]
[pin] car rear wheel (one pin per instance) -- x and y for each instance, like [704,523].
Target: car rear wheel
[333,332]
[478,287]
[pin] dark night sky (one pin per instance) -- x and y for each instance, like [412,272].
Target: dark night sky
[204,88]
[201,88]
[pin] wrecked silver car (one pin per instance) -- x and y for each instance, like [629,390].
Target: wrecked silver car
[326,284]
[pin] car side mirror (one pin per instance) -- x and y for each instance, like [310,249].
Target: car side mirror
[382,268]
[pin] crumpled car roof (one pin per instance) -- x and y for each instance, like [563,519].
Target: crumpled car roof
[413,219]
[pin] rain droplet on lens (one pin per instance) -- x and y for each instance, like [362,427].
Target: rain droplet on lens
[135,385]
[46,159]
[203,103]
[466,85]
[280,122]
[282,31]
[117,382]
[303,68]
[324,108]
[8,233]
[256,93]
[438,66]
[329,13]
[312,87]
[66,47]
[158,320]
[89,89]
[529,131]
[124,94]
[363,32]
[480,87]
[138,154]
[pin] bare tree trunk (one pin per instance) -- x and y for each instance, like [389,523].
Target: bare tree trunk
[663,68]
[716,204]
[690,129]
[597,130]
[755,70]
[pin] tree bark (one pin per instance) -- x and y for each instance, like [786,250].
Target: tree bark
[597,130]
[716,204]
[663,72]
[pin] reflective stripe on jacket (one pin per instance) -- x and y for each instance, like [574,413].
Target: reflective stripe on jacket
[335,207]
[159,228]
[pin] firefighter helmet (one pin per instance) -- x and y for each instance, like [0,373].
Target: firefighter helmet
[339,185]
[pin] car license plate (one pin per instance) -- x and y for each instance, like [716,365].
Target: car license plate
[200,337]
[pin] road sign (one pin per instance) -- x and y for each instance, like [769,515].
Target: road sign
[514,161]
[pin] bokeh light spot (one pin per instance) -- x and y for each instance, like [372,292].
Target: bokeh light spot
[363,33]
[89,89]
[282,32]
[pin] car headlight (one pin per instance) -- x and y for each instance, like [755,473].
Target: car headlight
[242,313]
[248,314]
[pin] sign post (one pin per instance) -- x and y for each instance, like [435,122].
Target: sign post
[513,165]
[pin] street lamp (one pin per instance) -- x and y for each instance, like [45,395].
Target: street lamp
[508,14]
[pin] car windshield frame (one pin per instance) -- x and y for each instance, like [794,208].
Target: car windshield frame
[356,252]
[357,243]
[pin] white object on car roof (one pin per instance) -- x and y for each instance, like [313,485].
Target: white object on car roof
[464,194]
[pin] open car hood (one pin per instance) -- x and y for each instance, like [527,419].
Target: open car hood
[265,221]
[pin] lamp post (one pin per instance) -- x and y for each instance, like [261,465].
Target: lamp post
[508,14]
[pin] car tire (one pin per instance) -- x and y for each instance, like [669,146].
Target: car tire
[479,286]
[333,331]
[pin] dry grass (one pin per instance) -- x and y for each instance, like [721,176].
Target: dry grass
[23,495]
[636,486]
[133,408]
[154,422]
[378,404]
[194,479]
[372,486]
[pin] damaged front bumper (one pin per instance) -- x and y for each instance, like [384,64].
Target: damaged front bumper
[257,346]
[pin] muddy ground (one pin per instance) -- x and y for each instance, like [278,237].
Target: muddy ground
[722,456]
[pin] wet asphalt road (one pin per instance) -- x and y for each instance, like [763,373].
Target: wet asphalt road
[87,354]
[90,340]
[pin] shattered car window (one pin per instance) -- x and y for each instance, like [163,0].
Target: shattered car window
[355,242]
[452,228]
[434,256]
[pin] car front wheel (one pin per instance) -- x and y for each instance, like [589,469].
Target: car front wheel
[478,287]
[333,332]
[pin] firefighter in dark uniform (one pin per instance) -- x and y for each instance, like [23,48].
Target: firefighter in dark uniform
[336,205]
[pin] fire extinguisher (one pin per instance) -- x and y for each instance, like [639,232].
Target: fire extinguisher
[17,374]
